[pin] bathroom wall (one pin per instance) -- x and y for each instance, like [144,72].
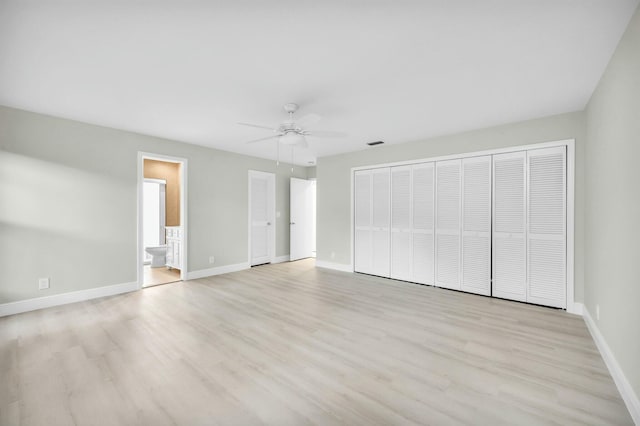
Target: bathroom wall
[170,172]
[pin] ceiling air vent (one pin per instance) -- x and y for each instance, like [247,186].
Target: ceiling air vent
[375,143]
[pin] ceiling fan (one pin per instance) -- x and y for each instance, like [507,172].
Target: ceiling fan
[294,133]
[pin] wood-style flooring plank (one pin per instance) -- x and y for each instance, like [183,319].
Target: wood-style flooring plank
[291,344]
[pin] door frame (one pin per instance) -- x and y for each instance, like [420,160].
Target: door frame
[183,211]
[572,306]
[271,194]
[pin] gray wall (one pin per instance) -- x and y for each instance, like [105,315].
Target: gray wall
[613,204]
[68,204]
[334,185]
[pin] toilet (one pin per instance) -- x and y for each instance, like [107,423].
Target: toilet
[158,255]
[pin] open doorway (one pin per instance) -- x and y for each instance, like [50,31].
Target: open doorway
[302,216]
[162,231]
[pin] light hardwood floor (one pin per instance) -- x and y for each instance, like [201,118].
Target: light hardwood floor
[290,344]
[157,276]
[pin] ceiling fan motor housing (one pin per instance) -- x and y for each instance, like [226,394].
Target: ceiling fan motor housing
[290,108]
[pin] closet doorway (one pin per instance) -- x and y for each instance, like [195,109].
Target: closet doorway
[497,223]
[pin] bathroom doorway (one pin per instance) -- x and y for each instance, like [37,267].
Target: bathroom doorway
[162,230]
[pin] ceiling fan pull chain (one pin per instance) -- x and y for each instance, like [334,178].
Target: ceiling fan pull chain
[292,159]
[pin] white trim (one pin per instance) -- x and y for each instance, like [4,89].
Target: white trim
[202,273]
[564,142]
[569,230]
[624,387]
[183,211]
[65,298]
[353,231]
[569,143]
[335,266]
[271,189]
[281,259]
[576,308]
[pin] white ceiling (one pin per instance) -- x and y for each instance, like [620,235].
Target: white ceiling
[391,70]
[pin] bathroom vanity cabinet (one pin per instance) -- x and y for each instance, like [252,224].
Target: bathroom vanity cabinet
[174,246]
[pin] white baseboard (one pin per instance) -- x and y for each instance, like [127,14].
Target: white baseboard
[577,308]
[280,259]
[624,387]
[202,273]
[335,266]
[64,298]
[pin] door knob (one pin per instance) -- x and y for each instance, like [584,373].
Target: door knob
[292,223]
[268,223]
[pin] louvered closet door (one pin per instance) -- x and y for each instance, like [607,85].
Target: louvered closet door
[381,221]
[476,225]
[422,191]
[509,226]
[546,263]
[401,258]
[363,252]
[448,203]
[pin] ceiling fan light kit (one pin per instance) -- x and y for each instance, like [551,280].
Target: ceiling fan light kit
[293,139]
[292,133]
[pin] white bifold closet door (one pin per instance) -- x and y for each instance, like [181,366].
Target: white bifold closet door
[509,226]
[362,236]
[401,241]
[372,221]
[546,237]
[476,225]
[448,206]
[381,222]
[422,230]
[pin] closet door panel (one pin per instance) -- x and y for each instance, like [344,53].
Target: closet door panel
[381,221]
[509,226]
[423,213]
[476,225]
[401,261]
[546,257]
[423,267]
[448,206]
[363,252]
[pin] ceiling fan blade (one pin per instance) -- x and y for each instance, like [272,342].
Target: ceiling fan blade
[325,134]
[259,126]
[308,120]
[264,139]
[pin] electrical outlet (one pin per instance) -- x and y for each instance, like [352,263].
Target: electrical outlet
[43,283]
[598,312]
[211,259]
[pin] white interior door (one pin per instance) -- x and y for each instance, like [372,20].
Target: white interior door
[547,234]
[381,222]
[401,250]
[509,226]
[423,202]
[301,224]
[363,221]
[448,206]
[476,225]
[261,217]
